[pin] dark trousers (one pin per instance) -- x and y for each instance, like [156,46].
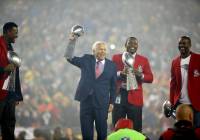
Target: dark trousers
[124,109]
[89,114]
[7,119]
[196,118]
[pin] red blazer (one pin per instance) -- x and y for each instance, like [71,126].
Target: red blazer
[3,63]
[193,80]
[169,133]
[135,97]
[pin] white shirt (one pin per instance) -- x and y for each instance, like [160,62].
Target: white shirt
[184,75]
[102,61]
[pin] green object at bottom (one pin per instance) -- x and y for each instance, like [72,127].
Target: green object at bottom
[126,134]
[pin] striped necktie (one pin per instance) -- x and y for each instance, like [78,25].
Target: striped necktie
[98,69]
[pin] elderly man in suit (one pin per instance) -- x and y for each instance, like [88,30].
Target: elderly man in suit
[96,88]
[129,102]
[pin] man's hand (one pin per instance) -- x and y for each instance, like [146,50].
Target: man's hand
[72,37]
[137,73]
[9,68]
[110,108]
[17,102]
[124,72]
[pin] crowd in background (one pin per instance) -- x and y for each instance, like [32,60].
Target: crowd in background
[49,82]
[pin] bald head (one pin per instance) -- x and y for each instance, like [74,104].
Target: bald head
[184,112]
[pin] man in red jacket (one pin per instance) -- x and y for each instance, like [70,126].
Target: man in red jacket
[185,78]
[128,102]
[10,89]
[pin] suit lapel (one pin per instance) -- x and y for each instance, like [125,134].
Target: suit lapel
[178,69]
[135,61]
[93,63]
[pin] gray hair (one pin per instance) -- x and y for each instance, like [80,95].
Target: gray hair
[98,43]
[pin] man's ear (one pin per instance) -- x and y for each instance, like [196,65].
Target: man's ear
[9,32]
[93,51]
[191,117]
[125,47]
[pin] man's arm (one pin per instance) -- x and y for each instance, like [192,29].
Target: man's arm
[113,85]
[147,73]
[69,52]
[173,85]
[1,70]
[121,74]
[8,68]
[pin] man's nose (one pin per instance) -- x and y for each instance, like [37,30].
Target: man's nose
[181,45]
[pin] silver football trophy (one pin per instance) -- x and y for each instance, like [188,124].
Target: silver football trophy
[131,82]
[77,30]
[168,110]
[14,58]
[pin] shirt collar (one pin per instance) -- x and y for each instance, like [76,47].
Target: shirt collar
[188,57]
[134,55]
[102,61]
[183,124]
